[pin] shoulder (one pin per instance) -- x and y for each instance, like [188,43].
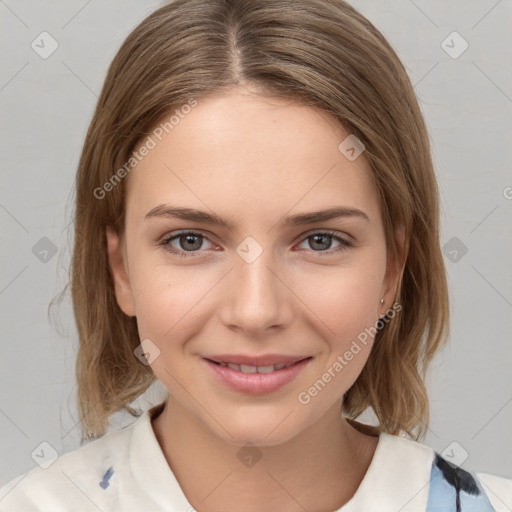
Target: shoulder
[498,489]
[467,490]
[410,476]
[397,478]
[64,484]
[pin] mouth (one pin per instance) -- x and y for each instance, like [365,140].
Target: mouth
[256,379]
[247,368]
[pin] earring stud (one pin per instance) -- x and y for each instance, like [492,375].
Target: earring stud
[382,301]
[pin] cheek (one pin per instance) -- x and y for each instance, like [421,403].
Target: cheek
[345,305]
[167,302]
[172,302]
[346,299]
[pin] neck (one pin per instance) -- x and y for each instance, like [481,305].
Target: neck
[324,464]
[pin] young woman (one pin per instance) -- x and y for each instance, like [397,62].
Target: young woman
[257,228]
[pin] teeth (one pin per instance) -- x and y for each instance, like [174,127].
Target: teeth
[255,369]
[248,369]
[266,369]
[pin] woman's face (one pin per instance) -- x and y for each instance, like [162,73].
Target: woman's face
[256,277]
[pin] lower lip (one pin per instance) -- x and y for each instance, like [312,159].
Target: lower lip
[257,383]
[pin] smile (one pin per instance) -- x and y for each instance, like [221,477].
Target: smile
[254,369]
[256,380]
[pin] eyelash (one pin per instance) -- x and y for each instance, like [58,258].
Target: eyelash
[166,243]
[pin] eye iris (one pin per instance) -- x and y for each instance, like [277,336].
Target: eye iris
[190,238]
[326,241]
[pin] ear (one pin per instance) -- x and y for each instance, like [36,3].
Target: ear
[394,270]
[118,268]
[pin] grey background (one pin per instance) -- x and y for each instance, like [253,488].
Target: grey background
[46,105]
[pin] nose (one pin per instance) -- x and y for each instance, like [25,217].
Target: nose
[255,297]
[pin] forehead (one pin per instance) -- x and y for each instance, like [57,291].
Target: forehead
[246,155]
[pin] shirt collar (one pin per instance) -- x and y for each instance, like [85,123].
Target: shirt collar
[150,467]
[397,478]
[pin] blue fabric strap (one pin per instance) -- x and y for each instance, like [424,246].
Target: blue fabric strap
[453,489]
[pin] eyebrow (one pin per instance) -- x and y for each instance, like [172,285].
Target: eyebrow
[300,219]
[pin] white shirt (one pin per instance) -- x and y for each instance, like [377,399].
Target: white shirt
[126,470]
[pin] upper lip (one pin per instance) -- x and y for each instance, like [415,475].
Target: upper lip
[263,360]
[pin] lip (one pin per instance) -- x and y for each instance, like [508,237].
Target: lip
[257,383]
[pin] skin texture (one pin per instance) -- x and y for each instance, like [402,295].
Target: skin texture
[253,161]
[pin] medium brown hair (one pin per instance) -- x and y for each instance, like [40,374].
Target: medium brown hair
[326,55]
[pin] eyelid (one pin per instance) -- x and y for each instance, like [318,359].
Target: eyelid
[333,232]
[166,240]
[345,242]
[343,238]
